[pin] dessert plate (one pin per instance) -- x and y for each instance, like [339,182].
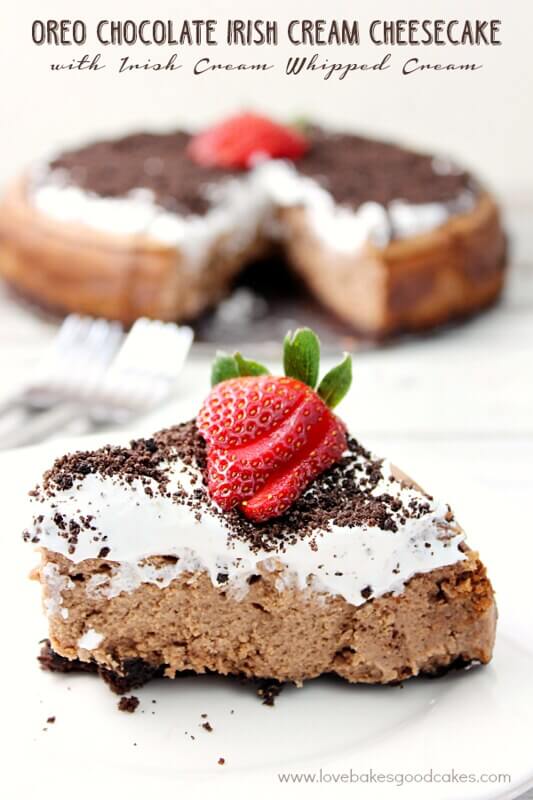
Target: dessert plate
[464,736]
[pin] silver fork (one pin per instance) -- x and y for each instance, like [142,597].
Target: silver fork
[77,358]
[74,364]
[144,372]
[79,379]
[75,361]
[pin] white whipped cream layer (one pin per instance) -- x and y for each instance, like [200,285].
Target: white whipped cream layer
[240,208]
[348,230]
[342,561]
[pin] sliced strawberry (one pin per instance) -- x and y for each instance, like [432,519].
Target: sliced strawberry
[234,143]
[237,473]
[285,485]
[240,410]
[268,437]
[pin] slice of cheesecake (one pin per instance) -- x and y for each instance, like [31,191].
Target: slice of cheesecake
[260,540]
[365,575]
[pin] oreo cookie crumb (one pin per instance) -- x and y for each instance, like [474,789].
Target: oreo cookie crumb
[268,690]
[352,168]
[356,170]
[128,704]
[353,493]
[345,495]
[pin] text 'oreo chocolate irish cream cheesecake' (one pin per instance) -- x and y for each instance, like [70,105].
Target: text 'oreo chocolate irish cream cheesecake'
[159,225]
[260,540]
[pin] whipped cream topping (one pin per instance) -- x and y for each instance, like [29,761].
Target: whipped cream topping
[238,207]
[397,532]
[241,207]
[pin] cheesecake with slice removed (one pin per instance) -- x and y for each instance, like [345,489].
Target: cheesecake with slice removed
[259,539]
[161,225]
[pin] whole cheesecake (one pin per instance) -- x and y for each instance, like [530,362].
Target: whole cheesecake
[388,239]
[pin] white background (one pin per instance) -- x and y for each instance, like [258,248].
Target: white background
[484,118]
[455,410]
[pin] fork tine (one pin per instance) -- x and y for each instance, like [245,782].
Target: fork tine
[92,356]
[147,365]
[81,350]
[91,363]
[153,345]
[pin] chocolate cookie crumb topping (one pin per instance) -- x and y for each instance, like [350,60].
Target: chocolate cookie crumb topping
[128,704]
[357,170]
[268,690]
[352,168]
[353,493]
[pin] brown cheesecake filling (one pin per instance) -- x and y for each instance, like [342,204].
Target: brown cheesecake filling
[442,618]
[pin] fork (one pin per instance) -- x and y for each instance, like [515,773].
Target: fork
[75,361]
[143,373]
[83,377]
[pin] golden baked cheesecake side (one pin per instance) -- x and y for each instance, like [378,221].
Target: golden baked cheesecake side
[388,239]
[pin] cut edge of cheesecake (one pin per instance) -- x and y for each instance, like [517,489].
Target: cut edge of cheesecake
[442,619]
[411,284]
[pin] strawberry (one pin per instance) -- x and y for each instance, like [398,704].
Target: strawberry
[239,471]
[268,437]
[239,411]
[285,485]
[234,143]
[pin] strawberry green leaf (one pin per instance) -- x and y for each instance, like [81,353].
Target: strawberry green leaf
[301,356]
[301,123]
[224,367]
[335,384]
[247,367]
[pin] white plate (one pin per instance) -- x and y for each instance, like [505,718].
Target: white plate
[475,722]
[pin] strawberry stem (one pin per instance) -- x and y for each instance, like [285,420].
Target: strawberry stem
[248,367]
[301,360]
[335,384]
[226,366]
[301,356]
